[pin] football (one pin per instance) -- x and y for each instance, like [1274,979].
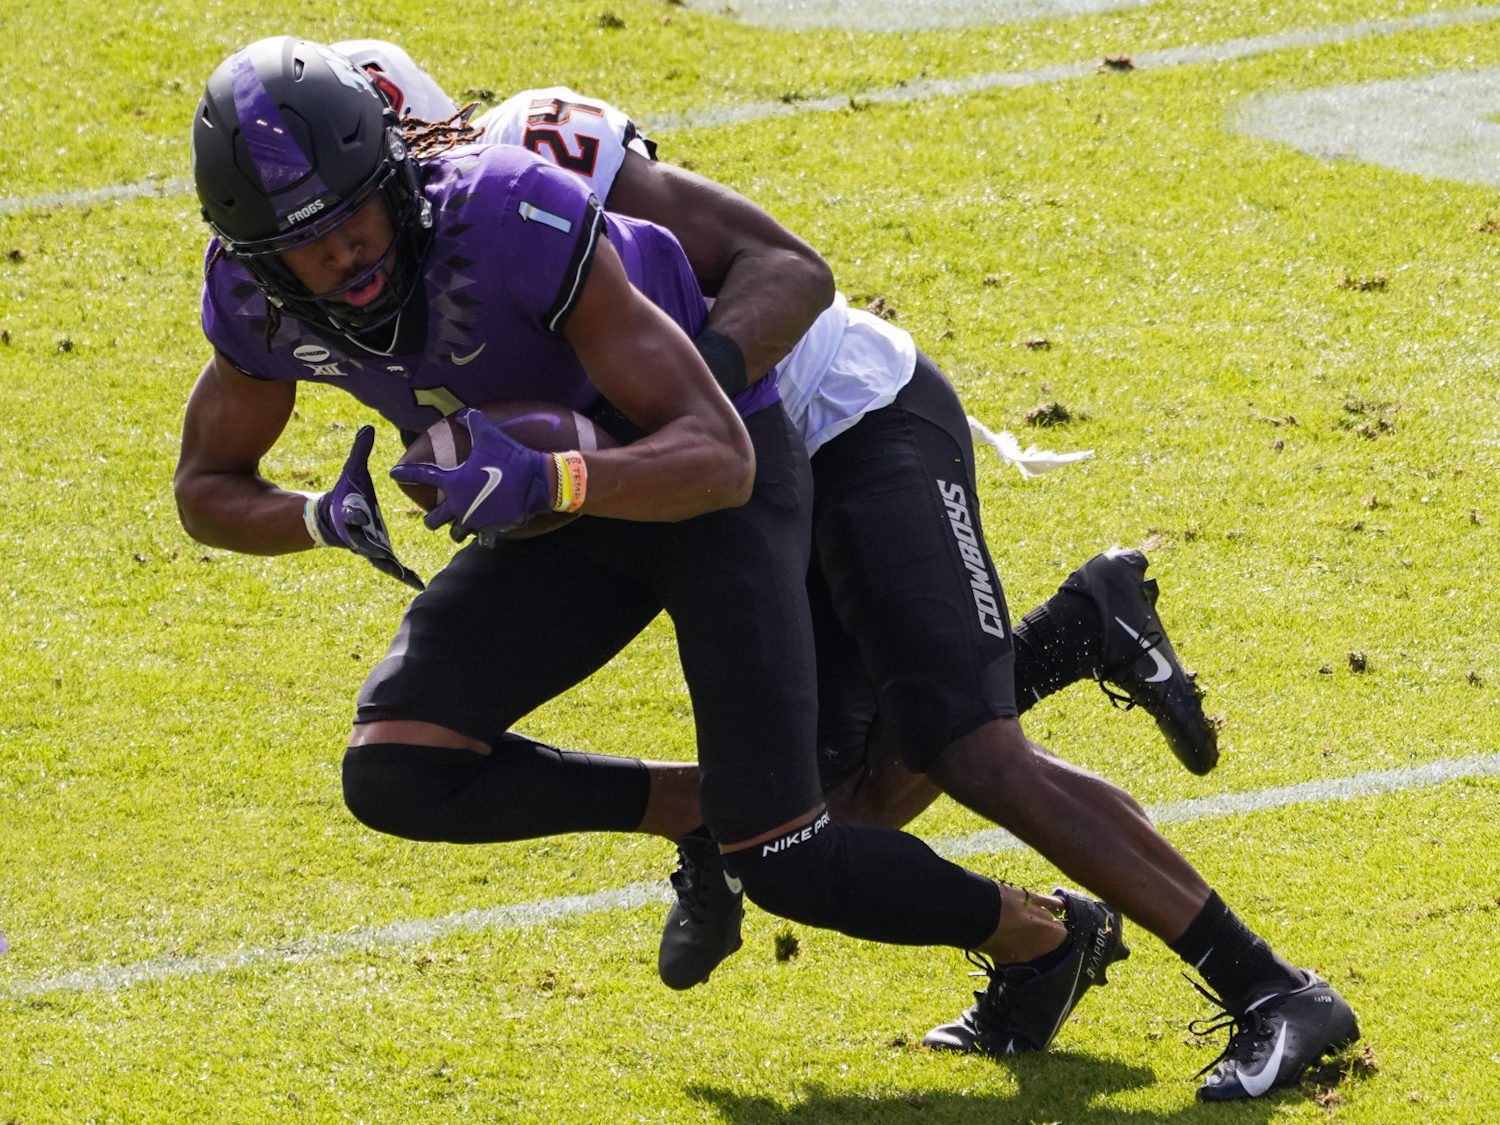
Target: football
[540,425]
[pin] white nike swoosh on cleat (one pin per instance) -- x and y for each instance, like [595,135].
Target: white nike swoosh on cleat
[495,476]
[1257,1084]
[460,360]
[1163,667]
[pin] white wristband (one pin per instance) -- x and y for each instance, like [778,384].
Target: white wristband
[310,518]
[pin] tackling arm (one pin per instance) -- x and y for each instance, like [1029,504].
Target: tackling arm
[769,286]
[231,422]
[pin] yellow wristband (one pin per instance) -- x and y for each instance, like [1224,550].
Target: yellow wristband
[572,480]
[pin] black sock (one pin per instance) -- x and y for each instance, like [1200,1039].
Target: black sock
[1057,643]
[1230,956]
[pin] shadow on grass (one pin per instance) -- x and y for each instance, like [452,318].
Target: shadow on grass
[1056,1087]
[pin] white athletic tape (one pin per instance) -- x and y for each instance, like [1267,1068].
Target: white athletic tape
[444,452]
[588,437]
[916,90]
[637,895]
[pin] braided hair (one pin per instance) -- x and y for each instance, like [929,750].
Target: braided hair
[426,139]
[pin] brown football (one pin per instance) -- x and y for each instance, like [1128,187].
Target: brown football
[540,425]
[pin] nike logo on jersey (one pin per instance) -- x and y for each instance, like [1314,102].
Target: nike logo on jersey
[734,885]
[1257,1084]
[460,360]
[493,483]
[1163,668]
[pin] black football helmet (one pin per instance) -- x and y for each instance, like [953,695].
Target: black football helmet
[290,140]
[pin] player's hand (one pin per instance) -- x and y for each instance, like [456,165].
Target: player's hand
[500,485]
[349,515]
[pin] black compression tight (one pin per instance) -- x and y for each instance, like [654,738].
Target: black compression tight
[518,791]
[873,883]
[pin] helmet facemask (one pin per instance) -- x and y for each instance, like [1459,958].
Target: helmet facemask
[289,142]
[395,182]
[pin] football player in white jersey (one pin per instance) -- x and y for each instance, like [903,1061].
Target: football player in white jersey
[921,681]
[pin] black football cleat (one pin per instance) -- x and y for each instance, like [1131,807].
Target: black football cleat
[1138,658]
[1022,1009]
[1275,1039]
[703,926]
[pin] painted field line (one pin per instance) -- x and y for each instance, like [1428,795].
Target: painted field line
[909,15]
[637,895]
[918,90]
[1228,51]
[397,933]
[1349,788]
[175,185]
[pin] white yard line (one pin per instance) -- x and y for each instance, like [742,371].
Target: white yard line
[908,15]
[175,185]
[1227,51]
[918,90]
[636,895]
[412,932]
[1370,784]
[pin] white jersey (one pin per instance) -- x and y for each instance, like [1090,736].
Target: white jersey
[847,365]
[584,135]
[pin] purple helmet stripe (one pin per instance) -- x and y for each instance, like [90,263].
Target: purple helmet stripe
[279,162]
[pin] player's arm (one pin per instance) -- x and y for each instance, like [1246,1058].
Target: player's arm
[769,286]
[697,456]
[231,422]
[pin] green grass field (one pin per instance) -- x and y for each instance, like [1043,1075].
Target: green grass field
[1312,464]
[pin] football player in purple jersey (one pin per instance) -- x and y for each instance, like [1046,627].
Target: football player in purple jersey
[909,450]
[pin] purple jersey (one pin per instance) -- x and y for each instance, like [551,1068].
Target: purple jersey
[513,240]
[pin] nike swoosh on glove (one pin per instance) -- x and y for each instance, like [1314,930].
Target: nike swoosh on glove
[499,486]
[349,514]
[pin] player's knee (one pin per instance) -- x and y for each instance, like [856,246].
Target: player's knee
[365,794]
[998,748]
[918,713]
[385,792]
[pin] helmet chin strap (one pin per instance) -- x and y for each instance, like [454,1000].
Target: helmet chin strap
[390,347]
